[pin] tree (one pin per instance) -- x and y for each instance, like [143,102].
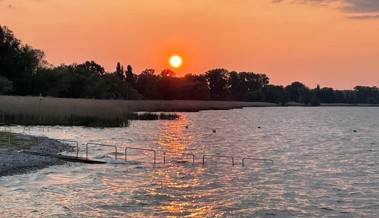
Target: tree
[147,84]
[167,73]
[18,63]
[130,77]
[217,80]
[92,66]
[327,95]
[294,91]
[306,95]
[255,96]
[364,93]
[275,94]
[237,88]
[195,87]
[168,85]
[120,71]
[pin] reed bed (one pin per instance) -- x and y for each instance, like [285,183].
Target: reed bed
[74,120]
[110,108]
[50,120]
[27,110]
[152,116]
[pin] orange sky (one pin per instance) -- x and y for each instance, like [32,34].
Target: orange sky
[332,44]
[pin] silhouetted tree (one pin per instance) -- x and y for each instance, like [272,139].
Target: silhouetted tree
[364,93]
[217,80]
[275,94]
[294,91]
[130,77]
[255,96]
[18,63]
[92,66]
[120,71]
[195,87]
[148,84]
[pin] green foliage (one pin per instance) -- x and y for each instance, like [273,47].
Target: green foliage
[5,85]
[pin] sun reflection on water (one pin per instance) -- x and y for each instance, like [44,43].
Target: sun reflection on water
[180,183]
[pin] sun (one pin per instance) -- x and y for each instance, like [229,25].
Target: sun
[176,61]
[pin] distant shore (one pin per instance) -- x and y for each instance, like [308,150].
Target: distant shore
[117,108]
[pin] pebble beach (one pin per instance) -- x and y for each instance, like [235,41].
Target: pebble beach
[13,162]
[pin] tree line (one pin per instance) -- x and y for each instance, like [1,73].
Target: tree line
[24,71]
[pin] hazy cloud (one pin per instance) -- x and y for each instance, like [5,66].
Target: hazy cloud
[362,6]
[10,6]
[367,9]
[364,17]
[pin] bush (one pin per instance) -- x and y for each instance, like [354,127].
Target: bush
[315,102]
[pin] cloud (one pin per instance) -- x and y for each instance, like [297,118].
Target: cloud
[362,6]
[364,17]
[10,6]
[366,9]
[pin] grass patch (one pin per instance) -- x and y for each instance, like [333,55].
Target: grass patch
[17,142]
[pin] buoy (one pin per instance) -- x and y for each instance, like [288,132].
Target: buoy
[354,130]
[214,131]
[259,127]
[186,126]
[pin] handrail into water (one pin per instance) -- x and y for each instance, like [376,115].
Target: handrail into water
[141,149]
[259,159]
[77,145]
[209,155]
[115,155]
[188,154]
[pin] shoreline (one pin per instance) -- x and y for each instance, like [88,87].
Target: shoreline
[14,162]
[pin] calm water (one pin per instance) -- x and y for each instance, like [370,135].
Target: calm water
[322,168]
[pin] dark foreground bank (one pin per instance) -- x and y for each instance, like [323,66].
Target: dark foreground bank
[14,161]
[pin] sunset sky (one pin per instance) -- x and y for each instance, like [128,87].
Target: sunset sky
[333,43]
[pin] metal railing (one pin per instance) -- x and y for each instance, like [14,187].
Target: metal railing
[114,146]
[188,154]
[257,159]
[219,156]
[141,149]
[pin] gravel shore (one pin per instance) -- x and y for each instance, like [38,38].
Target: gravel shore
[14,162]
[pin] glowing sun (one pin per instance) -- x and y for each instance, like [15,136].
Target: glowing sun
[176,61]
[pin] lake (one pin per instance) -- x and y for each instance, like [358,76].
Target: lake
[325,164]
